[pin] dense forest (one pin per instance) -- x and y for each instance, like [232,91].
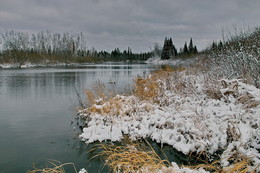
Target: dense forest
[45,47]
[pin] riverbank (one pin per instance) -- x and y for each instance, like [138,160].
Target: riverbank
[188,109]
[30,65]
[44,65]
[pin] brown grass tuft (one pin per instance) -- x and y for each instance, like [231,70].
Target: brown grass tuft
[148,87]
[116,106]
[239,163]
[58,167]
[131,158]
[98,93]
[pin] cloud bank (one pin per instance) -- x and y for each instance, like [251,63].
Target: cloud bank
[108,24]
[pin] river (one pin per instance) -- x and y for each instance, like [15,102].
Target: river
[37,110]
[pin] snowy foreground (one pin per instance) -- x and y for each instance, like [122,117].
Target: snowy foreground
[190,113]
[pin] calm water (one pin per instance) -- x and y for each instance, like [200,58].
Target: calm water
[37,106]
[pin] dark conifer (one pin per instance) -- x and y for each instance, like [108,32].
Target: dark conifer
[191,48]
[220,44]
[169,50]
[195,49]
[214,45]
[185,48]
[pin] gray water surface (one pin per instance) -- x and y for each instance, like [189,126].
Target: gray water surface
[37,107]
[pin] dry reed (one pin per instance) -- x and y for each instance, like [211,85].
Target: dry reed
[97,92]
[131,158]
[239,164]
[58,167]
[149,87]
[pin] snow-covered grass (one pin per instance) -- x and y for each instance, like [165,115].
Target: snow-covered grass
[191,111]
[29,65]
[6,65]
[178,61]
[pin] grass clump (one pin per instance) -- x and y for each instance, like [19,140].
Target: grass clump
[57,167]
[146,88]
[149,87]
[131,158]
[98,93]
[117,106]
[239,163]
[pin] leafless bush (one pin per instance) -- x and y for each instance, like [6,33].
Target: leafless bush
[239,57]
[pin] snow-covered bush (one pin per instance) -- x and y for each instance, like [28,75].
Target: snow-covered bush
[239,57]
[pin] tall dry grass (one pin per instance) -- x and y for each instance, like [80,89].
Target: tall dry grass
[240,163]
[98,92]
[56,167]
[151,87]
[132,157]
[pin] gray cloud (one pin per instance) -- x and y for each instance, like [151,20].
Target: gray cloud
[138,24]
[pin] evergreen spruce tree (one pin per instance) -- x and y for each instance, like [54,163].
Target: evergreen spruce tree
[191,48]
[185,48]
[169,50]
[214,45]
[195,49]
[164,51]
[220,45]
[175,51]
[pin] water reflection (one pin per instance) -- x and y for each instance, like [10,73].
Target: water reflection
[15,83]
[49,83]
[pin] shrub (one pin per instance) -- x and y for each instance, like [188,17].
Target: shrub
[239,57]
[131,158]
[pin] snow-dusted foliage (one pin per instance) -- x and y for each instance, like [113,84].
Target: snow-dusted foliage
[239,57]
[186,112]
[174,168]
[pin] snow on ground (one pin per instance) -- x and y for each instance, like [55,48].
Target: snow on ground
[29,65]
[175,62]
[194,121]
[157,60]
[83,170]
[174,168]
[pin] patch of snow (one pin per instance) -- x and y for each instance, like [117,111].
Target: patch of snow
[83,170]
[173,168]
[29,65]
[175,62]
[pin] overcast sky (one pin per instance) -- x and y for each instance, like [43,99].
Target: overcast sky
[139,24]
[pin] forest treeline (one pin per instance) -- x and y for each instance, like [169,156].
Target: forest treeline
[48,48]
